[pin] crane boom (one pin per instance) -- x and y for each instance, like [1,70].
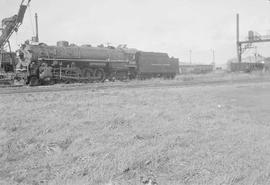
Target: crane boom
[11,24]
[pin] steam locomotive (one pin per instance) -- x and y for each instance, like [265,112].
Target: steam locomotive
[44,64]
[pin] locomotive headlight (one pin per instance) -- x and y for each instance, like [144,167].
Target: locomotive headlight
[20,55]
[24,57]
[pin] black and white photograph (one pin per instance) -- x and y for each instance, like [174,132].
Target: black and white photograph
[134,92]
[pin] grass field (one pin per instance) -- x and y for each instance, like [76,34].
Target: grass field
[217,135]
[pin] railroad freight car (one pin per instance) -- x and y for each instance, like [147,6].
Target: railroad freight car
[245,67]
[53,64]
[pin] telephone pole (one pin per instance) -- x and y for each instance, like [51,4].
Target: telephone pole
[238,45]
[190,56]
[214,58]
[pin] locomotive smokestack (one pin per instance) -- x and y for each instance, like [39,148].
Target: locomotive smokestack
[36,18]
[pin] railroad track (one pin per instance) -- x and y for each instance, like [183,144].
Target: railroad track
[123,85]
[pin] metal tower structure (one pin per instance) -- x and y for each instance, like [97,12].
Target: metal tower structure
[244,45]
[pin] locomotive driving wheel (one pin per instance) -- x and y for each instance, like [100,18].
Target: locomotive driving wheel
[89,74]
[33,81]
[99,74]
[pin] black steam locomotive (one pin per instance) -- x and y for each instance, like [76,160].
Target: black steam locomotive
[64,63]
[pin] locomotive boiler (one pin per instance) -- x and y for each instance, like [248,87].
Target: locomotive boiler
[72,63]
[64,63]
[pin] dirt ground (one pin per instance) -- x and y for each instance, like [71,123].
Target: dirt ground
[217,134]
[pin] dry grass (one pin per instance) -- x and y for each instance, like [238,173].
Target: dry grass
[194,135]
[210,77]
[224,76]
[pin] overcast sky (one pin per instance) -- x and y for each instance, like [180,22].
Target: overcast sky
[172,26]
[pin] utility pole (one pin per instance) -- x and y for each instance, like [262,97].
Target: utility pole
[1,57]
[190,56]
[214,58]
[256,53]
[238,45]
